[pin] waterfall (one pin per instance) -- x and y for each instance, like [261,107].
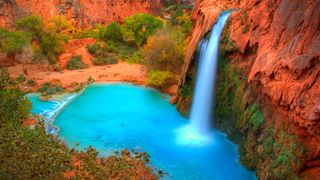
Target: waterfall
[198,132]
[203,102]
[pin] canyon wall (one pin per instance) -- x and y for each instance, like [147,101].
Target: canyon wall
[83,13]
[274,46]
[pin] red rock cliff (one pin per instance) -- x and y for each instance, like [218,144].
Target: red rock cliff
[83,13]
[278,43]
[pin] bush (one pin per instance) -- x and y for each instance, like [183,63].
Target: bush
[163,52]
[12,42]
[62,26]
[51,44]
[76,63]
[100,61]
[137,28]
[112,33]
[123,51]
[135,58]
[159,78]
[93,49]
[257,120]
[31,82]
[20,79]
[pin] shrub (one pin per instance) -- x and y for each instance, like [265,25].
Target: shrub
[137,28]
[135,58]
[112,33]
[31,82]
[88,33]
[62,26]
[163,52]
[184,23]
[51,44]
[93,49]
[20,79]
[123,51]
[24,107]
[257,120]
[100,61]
[159,78]
[12,42]
[76,63]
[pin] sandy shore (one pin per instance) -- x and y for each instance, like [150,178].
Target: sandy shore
[121,72]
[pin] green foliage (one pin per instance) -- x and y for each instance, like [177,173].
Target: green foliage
[112,33]
[93,49]
[159,78]
[137,28]
[27,153]
[185,91]
[31,82]
[123,51]
[257,120]
[135,58]
[50,42]
[227,44]
[61,26]
[12,42]
[76,63]
[89,33]
[163,52]
[100,61]
[32,24]
[49,88]
[20,79]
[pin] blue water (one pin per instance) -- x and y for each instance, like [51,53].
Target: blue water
[116,116]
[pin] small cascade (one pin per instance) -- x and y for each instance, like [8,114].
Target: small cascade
[204,97]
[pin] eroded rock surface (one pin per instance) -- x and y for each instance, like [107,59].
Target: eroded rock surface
[277,45]
[84,13]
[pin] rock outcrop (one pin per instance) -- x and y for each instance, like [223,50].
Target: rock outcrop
[83,13]
[276,43]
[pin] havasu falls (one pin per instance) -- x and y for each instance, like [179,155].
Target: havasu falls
[160,89]
[198,132]
[147,122]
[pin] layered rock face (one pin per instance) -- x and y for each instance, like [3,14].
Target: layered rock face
[84,13]
[276,44]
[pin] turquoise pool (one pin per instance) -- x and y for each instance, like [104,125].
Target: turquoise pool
[116,116]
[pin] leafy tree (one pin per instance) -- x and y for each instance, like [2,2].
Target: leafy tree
[184,23]
[12,42]
[137,28]
[112,33]
[32,24]
[60,25]
[50,44]
[164,51]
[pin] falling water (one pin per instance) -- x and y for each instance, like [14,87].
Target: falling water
[203,102]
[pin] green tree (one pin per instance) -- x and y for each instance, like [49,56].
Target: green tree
[32,24]
[12,42]
[137,28]
[50,44]
[164,51]
[112,33]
